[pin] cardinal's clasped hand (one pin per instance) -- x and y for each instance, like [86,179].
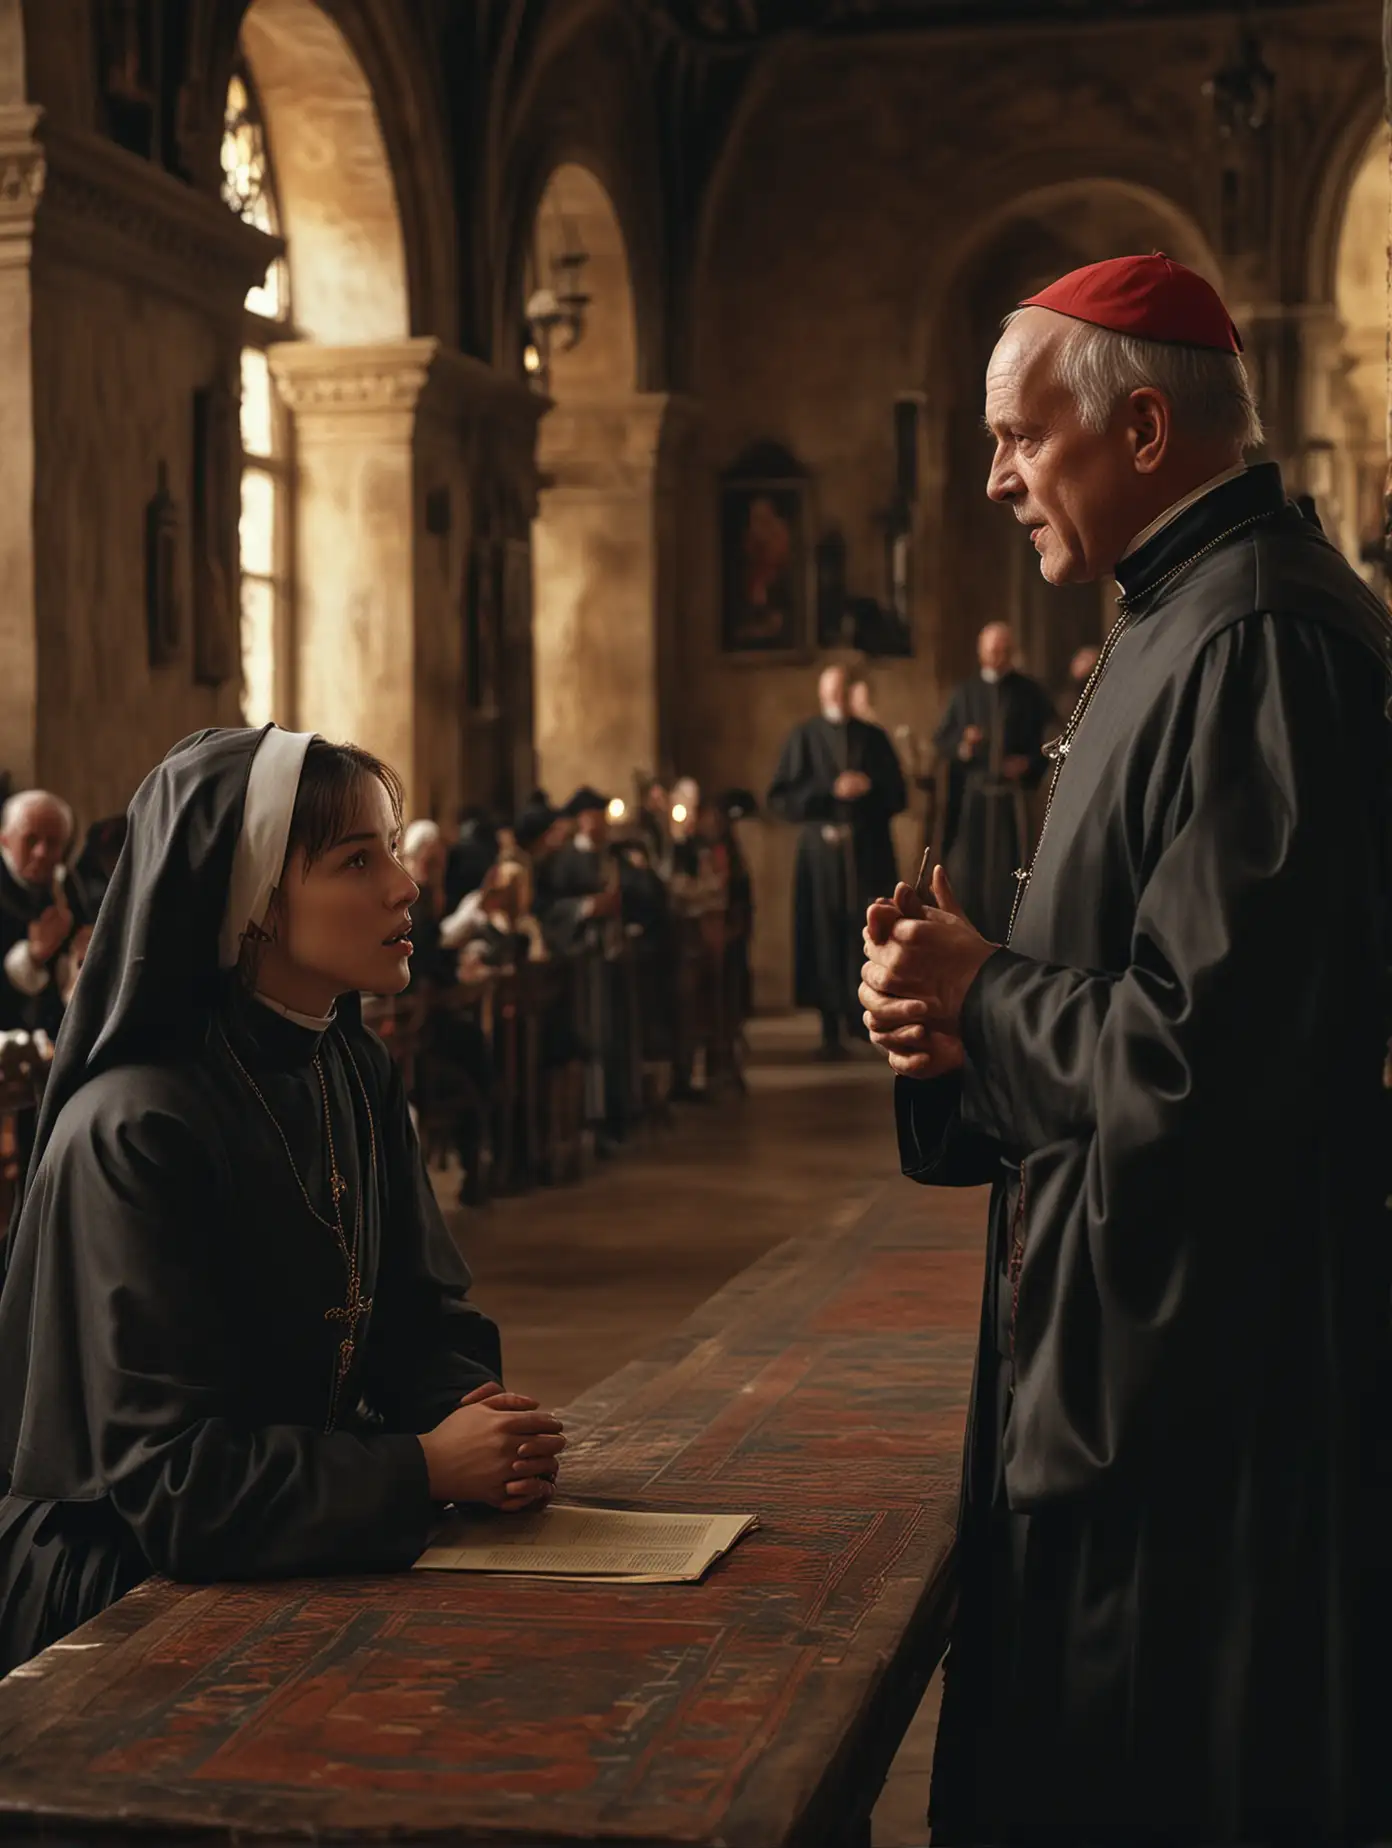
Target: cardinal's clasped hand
[919,964]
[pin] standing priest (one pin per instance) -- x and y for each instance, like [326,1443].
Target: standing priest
[1174,1552]
[992,736]
[839,778]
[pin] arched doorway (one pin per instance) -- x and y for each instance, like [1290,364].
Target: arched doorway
[329,387]
[594,543]
[1348,472]
[265,541]
[989,569]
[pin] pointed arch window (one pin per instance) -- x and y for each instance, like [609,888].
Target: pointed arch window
[248,189]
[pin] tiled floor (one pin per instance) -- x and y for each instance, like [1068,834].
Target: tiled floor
[584,1279]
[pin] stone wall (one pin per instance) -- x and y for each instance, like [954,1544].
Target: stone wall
[115,371]
[135,287]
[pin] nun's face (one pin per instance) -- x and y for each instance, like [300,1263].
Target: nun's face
[345,921]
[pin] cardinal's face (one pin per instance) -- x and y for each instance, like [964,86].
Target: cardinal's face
[1071,486]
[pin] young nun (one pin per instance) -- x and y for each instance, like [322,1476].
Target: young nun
[235,1338]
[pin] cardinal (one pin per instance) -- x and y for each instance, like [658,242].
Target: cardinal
[1172,1620]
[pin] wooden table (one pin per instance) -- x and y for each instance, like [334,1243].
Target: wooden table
[823,1388]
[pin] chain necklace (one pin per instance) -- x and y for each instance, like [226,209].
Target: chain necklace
[1061,746]
[356,1308]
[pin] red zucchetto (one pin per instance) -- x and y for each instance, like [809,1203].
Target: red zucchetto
[1152,298]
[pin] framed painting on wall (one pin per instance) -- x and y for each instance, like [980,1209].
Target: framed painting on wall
[764,558]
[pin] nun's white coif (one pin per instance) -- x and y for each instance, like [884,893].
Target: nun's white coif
[260,854]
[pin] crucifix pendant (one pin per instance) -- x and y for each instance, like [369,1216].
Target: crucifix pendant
[349,1317]
[337,1186]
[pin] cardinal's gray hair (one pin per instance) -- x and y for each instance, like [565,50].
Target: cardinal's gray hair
[1208,391]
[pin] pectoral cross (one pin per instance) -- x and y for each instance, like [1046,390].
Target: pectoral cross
[350,1316]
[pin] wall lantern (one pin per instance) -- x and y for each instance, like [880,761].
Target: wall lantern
[555,313]
[1242,91]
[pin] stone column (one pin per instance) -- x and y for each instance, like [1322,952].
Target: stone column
[596,552]
[387,444]
[353,647]
[479,434]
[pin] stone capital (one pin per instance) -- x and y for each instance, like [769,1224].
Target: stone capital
[23,170]
[362,387]
[97,207]
[353,390]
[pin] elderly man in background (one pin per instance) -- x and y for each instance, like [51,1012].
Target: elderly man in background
[992,739]
[839,780]
[36,921]
[1173,1546]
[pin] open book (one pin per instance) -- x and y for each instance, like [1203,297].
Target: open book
[613,1544]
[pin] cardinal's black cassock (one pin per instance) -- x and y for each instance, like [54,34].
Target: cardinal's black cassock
[1174,1543]
[195,1377]
[845,854]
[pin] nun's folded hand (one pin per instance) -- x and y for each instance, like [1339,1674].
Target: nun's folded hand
[474,1454]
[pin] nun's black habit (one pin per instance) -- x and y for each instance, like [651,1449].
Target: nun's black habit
[189,1383]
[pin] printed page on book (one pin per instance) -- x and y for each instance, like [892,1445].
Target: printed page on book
[614,1544]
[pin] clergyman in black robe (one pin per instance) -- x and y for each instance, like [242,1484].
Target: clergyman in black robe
[845,854]
[232,1318]
[992,738]
[1173,1546]
[584,910]
[37,916]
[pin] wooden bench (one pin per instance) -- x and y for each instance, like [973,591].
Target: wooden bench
[824,1388]
[23,1074]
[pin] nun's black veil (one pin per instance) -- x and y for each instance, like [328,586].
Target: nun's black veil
[147,988]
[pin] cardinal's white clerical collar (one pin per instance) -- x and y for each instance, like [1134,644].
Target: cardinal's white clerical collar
[1182,506]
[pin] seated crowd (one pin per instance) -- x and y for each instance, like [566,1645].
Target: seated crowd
[575,970]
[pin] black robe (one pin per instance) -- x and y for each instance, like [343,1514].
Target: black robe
[836,878]
[1173,1540]
[605,1015]
[20,906]
[184,1413]
[985,837]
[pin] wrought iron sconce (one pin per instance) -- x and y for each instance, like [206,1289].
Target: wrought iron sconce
[1242,91]
[555,313]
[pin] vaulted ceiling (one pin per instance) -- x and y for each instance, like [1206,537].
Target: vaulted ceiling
[735,22]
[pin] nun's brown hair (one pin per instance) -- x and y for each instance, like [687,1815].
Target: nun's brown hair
[331,784]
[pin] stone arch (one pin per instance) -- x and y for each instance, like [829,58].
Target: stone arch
[1335,176]
[986,568]
[604,364]
[1347,408]
[389,63]
[594,538]
[338,199]
[348,637]
[580,105]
